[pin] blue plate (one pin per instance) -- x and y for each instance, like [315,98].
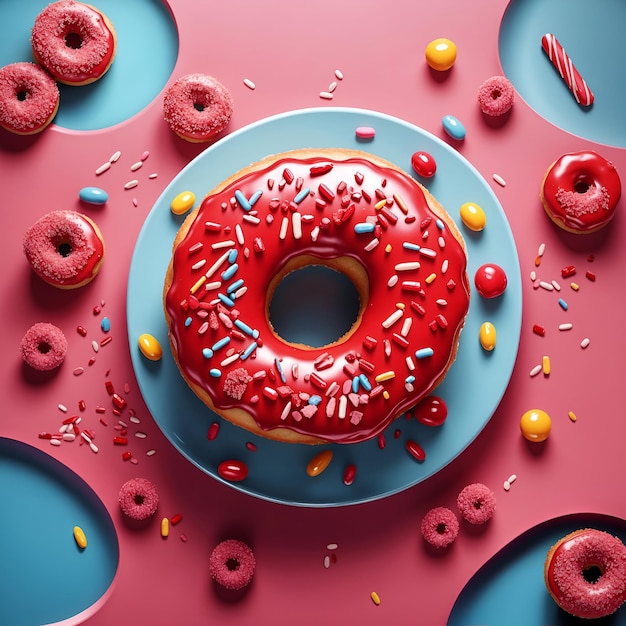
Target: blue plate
[592,36]
[45,577]
[509,589]
[278,471]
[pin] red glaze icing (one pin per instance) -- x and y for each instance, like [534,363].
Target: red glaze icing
[581,190]
[578,552]
[329,392]
[73,42]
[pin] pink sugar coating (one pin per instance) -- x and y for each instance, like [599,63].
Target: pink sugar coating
[29,97]
[440,527]
[189,93]
[232,564]
[495,96]
[476,503]
[138,498]
[577,204]
[44,346]
[592,599]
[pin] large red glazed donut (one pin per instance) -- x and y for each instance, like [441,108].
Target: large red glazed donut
[345,210]
[580,191]
[75,42]
[585,573]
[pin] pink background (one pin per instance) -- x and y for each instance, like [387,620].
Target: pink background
[290,50]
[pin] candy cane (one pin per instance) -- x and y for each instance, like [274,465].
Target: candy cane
[566,69]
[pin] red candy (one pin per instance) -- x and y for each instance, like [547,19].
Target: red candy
[233,471]
[490,280]
[349,474]
[424,164]
[415,450]
[432,411]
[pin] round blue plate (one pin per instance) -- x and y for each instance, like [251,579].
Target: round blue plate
[509,589]
[278,471]
[592,36]
[147,42]
[46,578]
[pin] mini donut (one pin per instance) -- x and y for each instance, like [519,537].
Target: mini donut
[580,191]
[75,42]
[476,503]
[43,347]
[495,96]
[440,527]
[585,573]
[29,98]
[197,107]
[232,564]
[65,249]
[138,499]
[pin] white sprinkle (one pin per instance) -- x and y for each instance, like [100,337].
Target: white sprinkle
[326,561]
[150,452]
[410,364]
[249,84]
[115,157]
[283,228]
[512,478]
[69,436]
[239,233]
[541,250]
[226,243]
[251,219]
[332,87]
[339,74]
[332,546]
[55,442]
[545,285]
[95,346]
[315,233]
[295,371]
[94,447]
[85,437]
[134,461]
[122,423]
[407,267]
[103,168]
[140,435]
[533,276]
[393,318]
[444,266]
[499,180]
[296,225]
[556,285]
[62,407]
[584,343]
[231,359]
[371,245]
[406,326]
[393,281]
[535,370]
[199,264]
[343,406]
[213,285]
[135,166]
[131,184]
[153,176]
[326,95]
[506,485]
[134,419]
[441,302]
[63,428]
[135,202]
[567,326]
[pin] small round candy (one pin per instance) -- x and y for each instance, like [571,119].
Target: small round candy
[490,280]
[150,347]
[487,336]
[424,164]
[441,54]
[535,425]
[453,127]
[183,202]
[473,216]
[431,411]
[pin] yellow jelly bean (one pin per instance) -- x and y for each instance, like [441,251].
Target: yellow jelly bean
[535,425]
[473,216]
[183,202]
[319,463]
[79,537]
[375,598]
[441,54]
[487,336]
[150,347]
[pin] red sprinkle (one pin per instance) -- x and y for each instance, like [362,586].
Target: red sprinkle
[539,330]
[118,401]
[214,428]
[590,275]
[120,441]
[567,271]
[81,331]
[176,519]
[349,474]
[251,446]
[126,456]
[106,340]
[381,441]
[96,310]
[82,405]
[415,450]
[108,385]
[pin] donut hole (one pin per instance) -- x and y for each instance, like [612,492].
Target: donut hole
[582,185]
[64,248]
[73,40]
[232,564]
[441,528]
[138,499]
[43,347]
[592,573]
[22,95]
[495,94]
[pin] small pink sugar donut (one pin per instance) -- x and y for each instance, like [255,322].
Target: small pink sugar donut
[29,98]
[232,564]
[44,346]
[75,42]
[197,107]
[495,96]
[585,573]
[476,503]
[64,248]
[440,527]
[138,499]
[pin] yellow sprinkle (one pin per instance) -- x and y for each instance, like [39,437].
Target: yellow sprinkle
[165,527]
[400,202]
[572,416]
[400,305]
[545,365]
[431,278]
[388,248]
[386,394]
[574,286]
[381,378]
[79,537]
[375,598]
[380,204]
[198,284]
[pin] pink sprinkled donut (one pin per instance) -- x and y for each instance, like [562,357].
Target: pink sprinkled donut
[197,107]
[232,564]
[43,347]
[585,573]
[495,96]
[75,42]
[476,503]
[440,527]
[65,249]
[138,499]
[29,98]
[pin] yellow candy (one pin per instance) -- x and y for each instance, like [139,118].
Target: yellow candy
[441,54]
[150,347]
[375,598]
[535,425]
[182,202]
[165,527]
[473,216]
[319,463]
[79,537]
[487,336]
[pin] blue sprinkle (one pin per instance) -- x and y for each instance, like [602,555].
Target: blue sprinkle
[105,324]
[410,379]
[188,321]
[364,227]
[220,344]
[234,286]
[439,224]
[232,255]
[422,353]
[302,195]
[407,245]
[230,271]
[243,201]
[215,373]
[244,327]
[226,300]
[365,383]
[563,304]
[248,351]
[254,197]
[315,400]
[207,353]
[355,384]
[279,369]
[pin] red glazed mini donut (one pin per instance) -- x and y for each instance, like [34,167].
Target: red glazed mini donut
[232,564]
[476,503]
[64,248]
[585,573]
[440,527]
[44,346]
[580,191]
[197,107]
[75,42]
[495,96]
[138,499]
[29,98]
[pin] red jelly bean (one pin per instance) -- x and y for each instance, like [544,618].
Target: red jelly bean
[232,470]
[415,450]
[349,474]
[214,429]
[424,164]
[432,411]
[490,280]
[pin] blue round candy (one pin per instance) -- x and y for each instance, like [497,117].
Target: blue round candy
[93,195]
[453,127]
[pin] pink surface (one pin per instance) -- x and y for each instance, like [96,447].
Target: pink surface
[291,56]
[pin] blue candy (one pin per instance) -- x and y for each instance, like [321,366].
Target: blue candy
[93,195]
[453,127]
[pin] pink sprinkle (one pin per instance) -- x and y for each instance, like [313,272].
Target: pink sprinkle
[78,371]
[144,156]
[365,132]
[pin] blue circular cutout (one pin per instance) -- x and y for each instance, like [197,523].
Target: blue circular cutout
[147,49]
[591,35]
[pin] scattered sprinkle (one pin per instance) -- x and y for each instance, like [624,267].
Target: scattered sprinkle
[338,74]
[499,180]
[509,481]
[249,84]
[535,370]
[375,598]
[326,95]
[103,168]
[115,157]
[131,184]
[584,343]
[572,416]
[567,326]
